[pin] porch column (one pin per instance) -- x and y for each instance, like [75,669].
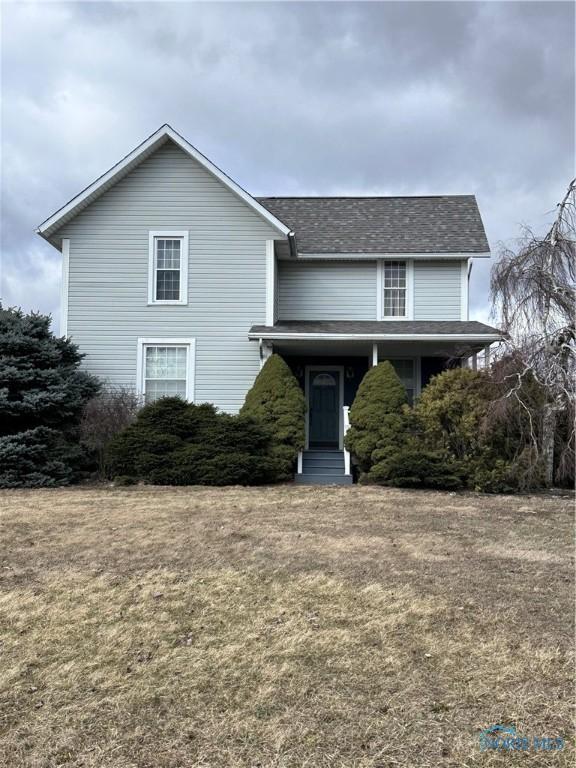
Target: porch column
[474,362]
[374,355]
[487,356]
[265,351]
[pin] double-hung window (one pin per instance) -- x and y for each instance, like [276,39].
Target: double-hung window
[406,372]
[168,268]
[395,281]
[166,368]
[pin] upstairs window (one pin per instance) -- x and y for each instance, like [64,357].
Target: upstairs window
[168,268]
[395,282]
[166,368]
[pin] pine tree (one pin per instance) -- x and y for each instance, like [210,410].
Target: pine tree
[42,394]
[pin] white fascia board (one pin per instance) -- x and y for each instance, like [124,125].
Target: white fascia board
[479,337]
[395,256]
[158,138]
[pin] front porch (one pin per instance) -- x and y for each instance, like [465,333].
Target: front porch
[329,359]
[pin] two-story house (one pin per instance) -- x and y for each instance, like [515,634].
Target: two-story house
[176,281]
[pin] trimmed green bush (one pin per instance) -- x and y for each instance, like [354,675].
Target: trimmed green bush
[417,467]
[450,410]
[460,414]
[377,417]
[42,396]
[277,402]
[172,442]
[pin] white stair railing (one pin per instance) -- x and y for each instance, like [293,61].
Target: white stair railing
[300,455]
[346,425]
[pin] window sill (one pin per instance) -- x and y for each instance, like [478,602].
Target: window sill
[167,304]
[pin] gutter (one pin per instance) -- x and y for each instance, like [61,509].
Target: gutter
[473,337]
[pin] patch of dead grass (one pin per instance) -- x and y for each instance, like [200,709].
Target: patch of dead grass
[280,627]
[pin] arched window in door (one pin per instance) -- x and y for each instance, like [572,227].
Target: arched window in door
[323,380]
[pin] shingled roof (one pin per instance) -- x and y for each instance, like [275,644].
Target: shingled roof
[379,225]
[369,329]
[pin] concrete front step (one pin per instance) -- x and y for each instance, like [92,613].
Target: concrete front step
[315,479]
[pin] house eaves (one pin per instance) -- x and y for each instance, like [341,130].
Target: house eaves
[133,159]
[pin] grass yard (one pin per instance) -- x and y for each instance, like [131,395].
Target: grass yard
[283,627]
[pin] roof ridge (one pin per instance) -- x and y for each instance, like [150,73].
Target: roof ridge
[355,197]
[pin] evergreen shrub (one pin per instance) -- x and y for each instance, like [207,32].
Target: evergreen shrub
[172,442]
[276,401]
[42,396]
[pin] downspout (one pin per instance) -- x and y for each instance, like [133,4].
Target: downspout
[292,245]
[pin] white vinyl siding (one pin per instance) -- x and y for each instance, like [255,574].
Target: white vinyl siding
[326,290]
[437,290]
[108,308]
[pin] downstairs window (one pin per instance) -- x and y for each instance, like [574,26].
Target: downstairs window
[166,369]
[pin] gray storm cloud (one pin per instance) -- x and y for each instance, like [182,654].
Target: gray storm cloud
[288,98]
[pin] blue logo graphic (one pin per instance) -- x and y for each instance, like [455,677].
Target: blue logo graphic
[505,738]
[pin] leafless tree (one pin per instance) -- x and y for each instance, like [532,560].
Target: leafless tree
[534,299]
[104,416]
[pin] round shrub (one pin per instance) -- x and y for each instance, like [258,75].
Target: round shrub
[415,466]
[277,402]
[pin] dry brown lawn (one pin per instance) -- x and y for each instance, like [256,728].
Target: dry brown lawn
[284,627]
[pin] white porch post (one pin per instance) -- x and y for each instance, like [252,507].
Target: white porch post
[374,354]
[487,356]
[346,426]
[300,462]
[265,351]
[475,362]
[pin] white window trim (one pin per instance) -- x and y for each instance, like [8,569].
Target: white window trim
[184,257]
[409,290]
[167,342]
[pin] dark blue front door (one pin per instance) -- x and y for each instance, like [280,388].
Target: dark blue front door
[324,408]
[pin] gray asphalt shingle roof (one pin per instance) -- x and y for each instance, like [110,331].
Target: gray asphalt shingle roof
[443,224]
[375,327]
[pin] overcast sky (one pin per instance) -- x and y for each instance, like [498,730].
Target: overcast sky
[288,98]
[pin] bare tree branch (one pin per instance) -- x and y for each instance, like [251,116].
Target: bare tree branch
[534,298]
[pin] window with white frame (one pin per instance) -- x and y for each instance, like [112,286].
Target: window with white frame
[406,372]
[166,368]
[395,283]
[168,268]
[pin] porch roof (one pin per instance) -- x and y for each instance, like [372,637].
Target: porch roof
[379,330]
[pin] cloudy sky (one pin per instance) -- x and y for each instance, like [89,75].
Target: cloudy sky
[288,98]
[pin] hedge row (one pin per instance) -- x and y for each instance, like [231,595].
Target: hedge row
[176,443]
[453,437]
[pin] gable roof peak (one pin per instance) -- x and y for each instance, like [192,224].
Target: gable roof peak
[134,158]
